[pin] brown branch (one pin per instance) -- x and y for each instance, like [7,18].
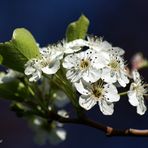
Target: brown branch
[109,131]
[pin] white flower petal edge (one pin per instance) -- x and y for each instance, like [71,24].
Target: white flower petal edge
[87,102]
[106,107]
[141,108]
[97,44]
[136,93]
[103,94]
[74,46]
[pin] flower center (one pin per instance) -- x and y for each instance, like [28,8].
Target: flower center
[97,92]
[45,63]
[84,64]
[98,89]
[114,64]
[139,88]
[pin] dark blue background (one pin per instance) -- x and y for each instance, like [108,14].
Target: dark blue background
[122,22]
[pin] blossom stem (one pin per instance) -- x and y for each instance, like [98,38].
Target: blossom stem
[123,93]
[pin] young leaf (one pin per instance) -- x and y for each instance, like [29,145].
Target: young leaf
[19,50]
[77,29]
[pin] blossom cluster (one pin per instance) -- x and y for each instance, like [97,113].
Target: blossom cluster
[95,68]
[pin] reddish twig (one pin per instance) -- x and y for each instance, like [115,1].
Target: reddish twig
[109,131]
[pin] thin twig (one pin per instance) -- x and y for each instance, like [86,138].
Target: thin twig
[109,131]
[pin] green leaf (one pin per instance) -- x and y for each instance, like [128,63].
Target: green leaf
[19,50]
[77,29]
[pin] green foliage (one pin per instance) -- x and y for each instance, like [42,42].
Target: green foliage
[8,90]
[77,29]
[19,50]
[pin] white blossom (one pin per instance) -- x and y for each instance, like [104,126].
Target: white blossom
[84,65]
[115,70]
[33,69]
[137,92]
[99,92]
[49,63]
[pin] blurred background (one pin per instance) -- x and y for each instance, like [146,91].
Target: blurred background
[124,23]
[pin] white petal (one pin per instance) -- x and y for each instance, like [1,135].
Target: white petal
[133,98]
[112,93]
[82,88]
[117,50]
[92,75]
[73,75]
[122,79]
[102,46]
[35,77]
[108,75]
[105,45]
[141,108]
[105,107]
[100,60]
[136,76]
[74,46]
[29,70]
[69,61]
[86,102]
[52,68]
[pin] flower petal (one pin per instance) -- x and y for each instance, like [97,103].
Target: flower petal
[111,93]
[82,88]
[141,108]
[136,76]
[69,61]
[117,50]
[35,77]
[133,98]
[52,68]
[86,102]
[91,75]
[74,75]
[100,60]
[106,107]
[74,46]
[108,75]
[122,79]
[29,70]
